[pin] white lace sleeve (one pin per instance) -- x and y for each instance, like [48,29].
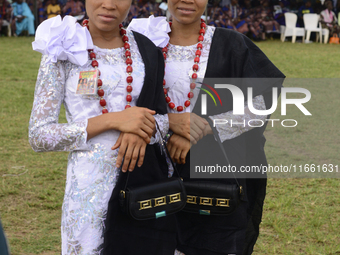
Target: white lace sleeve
[45,133]
[163,123]
[239,124]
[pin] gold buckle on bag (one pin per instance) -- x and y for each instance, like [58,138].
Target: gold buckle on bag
[191,199]
[206,201]
[159,201]
[145,204]
[174,198]
[223,202]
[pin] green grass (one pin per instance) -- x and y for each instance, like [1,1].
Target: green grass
[301,216]
[299,60]
[32,184]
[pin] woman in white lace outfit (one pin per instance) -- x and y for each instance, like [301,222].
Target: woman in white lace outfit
[221,53]
[121,114]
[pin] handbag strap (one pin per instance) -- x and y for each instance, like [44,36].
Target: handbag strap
[166,150]
[217,137]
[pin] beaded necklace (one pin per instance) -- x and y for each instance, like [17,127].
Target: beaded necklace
[129,69]
[195,68]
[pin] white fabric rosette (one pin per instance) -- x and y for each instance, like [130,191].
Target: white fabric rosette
[156,29]
[63,39]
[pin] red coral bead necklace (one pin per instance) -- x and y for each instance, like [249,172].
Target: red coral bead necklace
[195,68]
[129,69]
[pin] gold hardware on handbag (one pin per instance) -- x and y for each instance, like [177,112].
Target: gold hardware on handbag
[212,197]
[155,200]
[168,197]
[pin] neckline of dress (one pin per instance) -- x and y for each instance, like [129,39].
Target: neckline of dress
[130,36]
[110,50]
[207,39]
[183,47]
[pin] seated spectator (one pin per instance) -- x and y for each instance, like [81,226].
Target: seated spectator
[53,9]
[266,18]
[328,19]
[24,19]
[304,9]
[248,14]
[74,8]
[235,14]
[5,15]
[279,13]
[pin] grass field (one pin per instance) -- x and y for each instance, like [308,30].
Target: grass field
[301,215]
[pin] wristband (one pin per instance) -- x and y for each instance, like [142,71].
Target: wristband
[168,135]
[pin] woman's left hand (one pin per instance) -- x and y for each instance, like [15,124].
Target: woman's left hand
[132,148]
[188,125]
[207,130]
[178,148]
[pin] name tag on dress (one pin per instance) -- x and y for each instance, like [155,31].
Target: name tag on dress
[87,83]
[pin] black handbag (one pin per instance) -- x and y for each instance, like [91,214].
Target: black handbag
[211,197]
[155,200]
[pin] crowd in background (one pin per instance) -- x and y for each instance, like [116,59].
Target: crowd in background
[20,14]
[255,18]
[258,18]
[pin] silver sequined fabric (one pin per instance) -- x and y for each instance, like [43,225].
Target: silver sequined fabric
[246,122]
[91,171]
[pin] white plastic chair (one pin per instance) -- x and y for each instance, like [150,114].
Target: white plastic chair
[7,24]
[282,31]
[311,21]
[325,34]
[291,29]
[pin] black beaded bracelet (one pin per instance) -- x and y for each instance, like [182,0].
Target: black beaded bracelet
[168,135]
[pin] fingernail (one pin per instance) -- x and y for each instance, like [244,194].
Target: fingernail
[139,165]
